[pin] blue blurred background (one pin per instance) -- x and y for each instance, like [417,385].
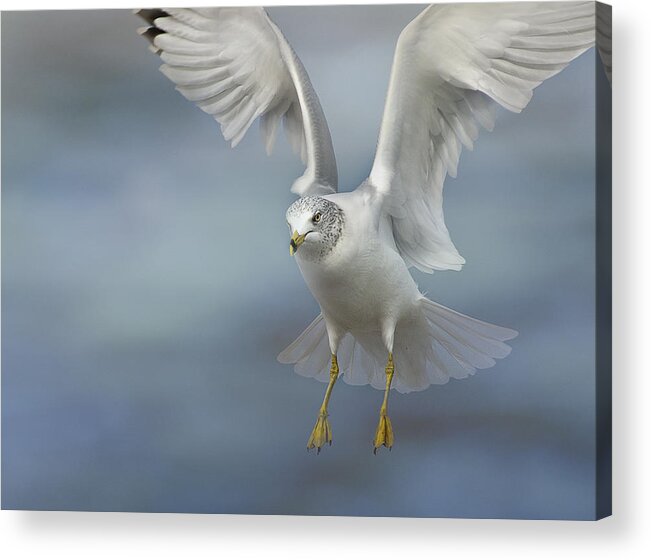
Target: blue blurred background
[139,342]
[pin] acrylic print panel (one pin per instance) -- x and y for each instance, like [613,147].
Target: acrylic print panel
[148,286]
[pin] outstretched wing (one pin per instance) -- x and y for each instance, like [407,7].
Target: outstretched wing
[453,65]
[236,65]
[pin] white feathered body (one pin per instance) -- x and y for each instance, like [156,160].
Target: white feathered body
[370,303]
[363,283]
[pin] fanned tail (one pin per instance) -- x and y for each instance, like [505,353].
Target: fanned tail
[430,348]
[459,344]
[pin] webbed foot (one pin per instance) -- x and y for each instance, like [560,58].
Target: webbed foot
[321,434]
[383,433]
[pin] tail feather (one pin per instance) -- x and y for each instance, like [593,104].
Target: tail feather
[317,363]
[305,344]
[430,348]
[477,326]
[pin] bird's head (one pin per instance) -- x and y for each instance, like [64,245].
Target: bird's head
[315,225]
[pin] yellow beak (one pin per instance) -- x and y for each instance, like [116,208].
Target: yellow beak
[295,242]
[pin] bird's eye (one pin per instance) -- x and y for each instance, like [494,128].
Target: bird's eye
[316,218]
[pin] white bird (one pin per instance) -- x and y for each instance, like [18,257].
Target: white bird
[454,64]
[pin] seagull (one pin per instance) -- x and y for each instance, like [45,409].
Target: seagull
[454,65]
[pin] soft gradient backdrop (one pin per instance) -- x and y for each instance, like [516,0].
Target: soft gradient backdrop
[139,339]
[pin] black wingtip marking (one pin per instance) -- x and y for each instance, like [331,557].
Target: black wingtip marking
[150,33]
[150,15]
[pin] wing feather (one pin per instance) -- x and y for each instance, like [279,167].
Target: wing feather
[453,66]
[237,66]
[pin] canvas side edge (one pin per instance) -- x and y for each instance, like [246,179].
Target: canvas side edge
[603,333]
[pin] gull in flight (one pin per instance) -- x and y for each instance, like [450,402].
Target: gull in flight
[454,64]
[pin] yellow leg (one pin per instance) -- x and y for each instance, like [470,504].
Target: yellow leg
[384,431]
[322,432]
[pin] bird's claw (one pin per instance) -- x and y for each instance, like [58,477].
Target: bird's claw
[383,434]
[321,434]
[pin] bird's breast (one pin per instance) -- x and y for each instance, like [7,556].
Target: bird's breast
[358,285]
